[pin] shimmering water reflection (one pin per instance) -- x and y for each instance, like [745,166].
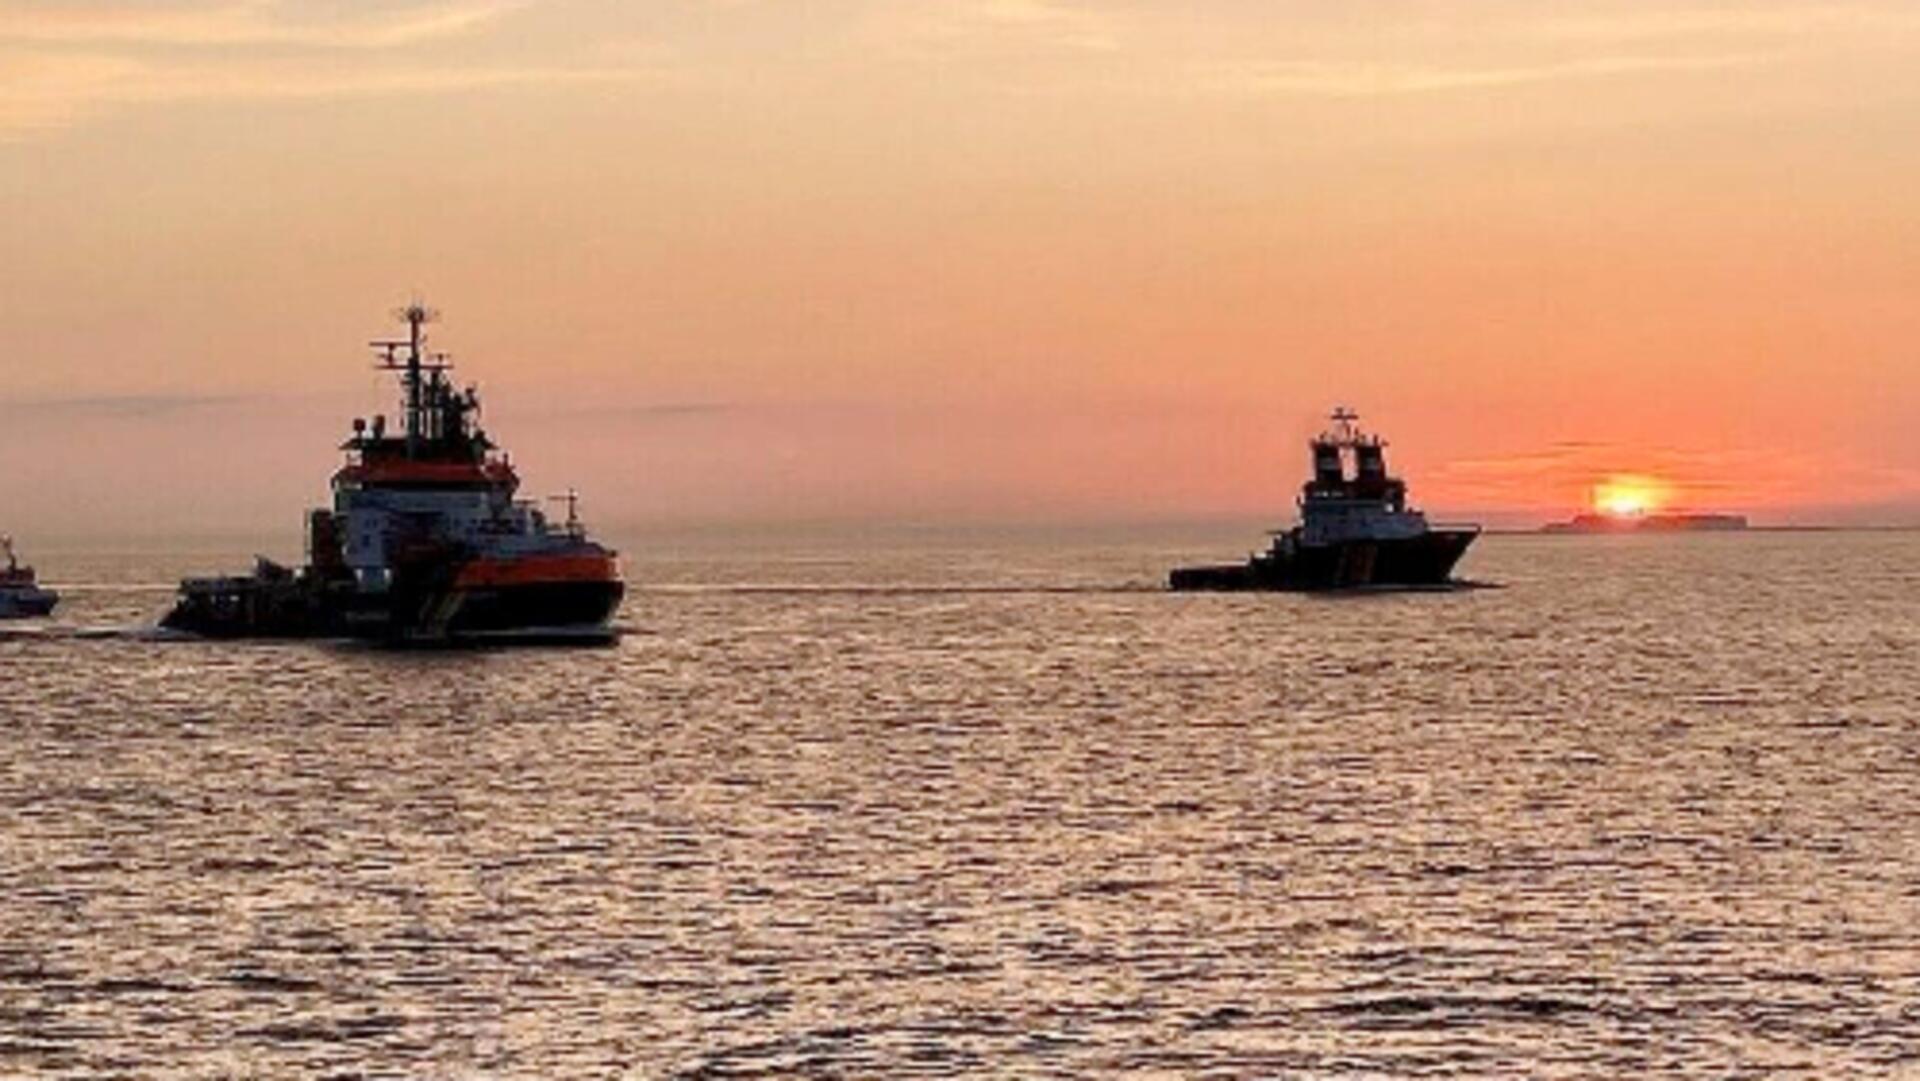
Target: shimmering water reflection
[1653,809]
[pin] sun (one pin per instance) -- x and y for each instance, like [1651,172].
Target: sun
[1628,496]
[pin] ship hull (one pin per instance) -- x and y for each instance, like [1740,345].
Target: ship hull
[527,608]
[258,606]
[1426,560]
[27,604]
[569,611]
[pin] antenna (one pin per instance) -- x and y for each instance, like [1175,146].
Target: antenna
[572,500]
[412,364]
[6,545]
[417,315]
[1345,431]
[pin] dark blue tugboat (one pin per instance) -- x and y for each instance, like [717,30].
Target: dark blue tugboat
[1356,530]
[21,595]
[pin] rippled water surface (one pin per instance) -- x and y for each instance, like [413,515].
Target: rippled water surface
[1652,809]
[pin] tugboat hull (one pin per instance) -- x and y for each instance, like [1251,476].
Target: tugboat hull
[267,606]
[20,594]
[546,606]
[28,604]
[1425,560]
[273,602]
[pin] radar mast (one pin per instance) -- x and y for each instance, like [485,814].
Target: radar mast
[415,366]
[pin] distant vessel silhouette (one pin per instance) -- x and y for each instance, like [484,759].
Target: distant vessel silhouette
[21,596]
[424,540]
[1648,523]
[1356,529]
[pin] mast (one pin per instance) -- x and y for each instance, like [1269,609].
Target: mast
[1331,446]
[414,367]
[1346,426]
[572,499]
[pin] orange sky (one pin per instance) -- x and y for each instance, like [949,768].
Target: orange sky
[1024,259]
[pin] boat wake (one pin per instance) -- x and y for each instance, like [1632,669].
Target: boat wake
[62,632]
[1453,585]
[857,589]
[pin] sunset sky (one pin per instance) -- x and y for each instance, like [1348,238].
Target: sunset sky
[1032,260]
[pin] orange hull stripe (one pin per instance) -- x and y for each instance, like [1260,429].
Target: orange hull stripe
[537,570]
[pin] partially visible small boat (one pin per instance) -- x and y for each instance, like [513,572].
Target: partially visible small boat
[1649,523]
[20,594]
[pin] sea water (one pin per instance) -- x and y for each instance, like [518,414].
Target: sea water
[933,807]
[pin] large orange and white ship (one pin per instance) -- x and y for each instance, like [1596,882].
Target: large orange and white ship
[426,539]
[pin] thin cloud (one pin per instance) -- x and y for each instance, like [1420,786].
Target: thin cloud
[641,412]
[1078,26]
[256,22]
[62,63]
[996,24]
[1367,79]
[44,92]
[121,405]
[1794,21]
